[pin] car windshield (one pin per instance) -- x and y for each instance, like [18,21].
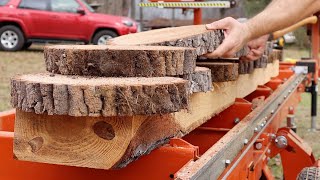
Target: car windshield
[87,5]
[3,2]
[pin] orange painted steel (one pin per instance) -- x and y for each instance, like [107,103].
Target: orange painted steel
[197,16]
[263,91]
[296,155]
[274,83]
[285,74]
[6,120]
[165,161]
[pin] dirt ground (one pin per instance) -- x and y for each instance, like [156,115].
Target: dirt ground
[12,63]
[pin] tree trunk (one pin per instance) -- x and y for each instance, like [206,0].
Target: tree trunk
[118,7]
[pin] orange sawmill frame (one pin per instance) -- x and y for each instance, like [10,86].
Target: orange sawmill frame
[166,161]
[294,157]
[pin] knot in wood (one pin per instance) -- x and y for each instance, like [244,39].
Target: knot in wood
[104,130]
[36,144]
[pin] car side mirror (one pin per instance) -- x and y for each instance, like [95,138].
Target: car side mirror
[81,11]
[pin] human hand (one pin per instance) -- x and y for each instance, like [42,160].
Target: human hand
[256,48]
[236,36]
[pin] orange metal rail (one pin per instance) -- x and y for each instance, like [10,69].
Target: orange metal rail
[253,154]
[171,161]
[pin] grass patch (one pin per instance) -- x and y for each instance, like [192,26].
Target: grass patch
[293,52]
[13,63]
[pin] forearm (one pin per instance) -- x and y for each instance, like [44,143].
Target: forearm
[280,14]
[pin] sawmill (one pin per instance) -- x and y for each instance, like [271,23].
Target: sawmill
[151,105]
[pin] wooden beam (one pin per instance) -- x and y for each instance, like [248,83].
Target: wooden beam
[113,142]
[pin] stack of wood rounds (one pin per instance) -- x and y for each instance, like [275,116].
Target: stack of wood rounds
[105,106]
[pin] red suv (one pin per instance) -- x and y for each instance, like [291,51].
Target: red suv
[25,21]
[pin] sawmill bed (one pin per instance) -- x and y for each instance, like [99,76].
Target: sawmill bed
[43,138]
[180,158]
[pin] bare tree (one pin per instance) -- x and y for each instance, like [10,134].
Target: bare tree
[115,7]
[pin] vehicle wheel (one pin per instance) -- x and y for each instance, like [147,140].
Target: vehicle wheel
[11,38]
[309,173]
[103,36]
[27,45]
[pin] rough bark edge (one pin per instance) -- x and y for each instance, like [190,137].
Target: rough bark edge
[275,54]
[262,62]
[119,63]
[142,143]
[81,100]
[221,71]
[200,80]
[203,43]
[245,67]
[135,150]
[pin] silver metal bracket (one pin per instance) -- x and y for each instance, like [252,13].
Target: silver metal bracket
[300,69]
